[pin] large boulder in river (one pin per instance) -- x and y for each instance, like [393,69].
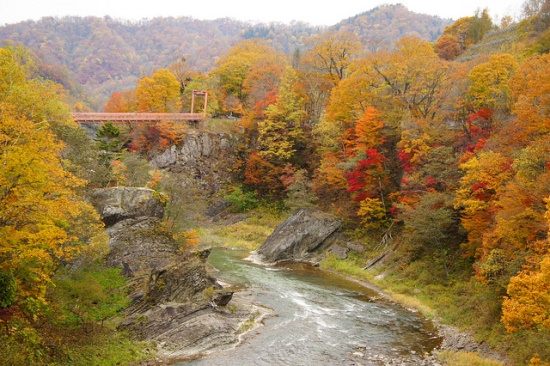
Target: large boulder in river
[300,237]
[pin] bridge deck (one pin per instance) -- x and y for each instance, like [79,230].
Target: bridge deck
[136,117]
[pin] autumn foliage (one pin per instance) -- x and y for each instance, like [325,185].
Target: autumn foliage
[528,303]
[43,219]
[121,102]
[451,158]
[157,137]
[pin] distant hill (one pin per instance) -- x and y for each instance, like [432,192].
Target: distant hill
[383,25]
[106,54]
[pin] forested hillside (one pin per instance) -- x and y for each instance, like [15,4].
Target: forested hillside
[382,26]
[106,54]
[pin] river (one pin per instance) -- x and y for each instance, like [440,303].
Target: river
[319,318]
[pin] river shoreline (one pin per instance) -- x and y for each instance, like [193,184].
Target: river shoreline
[453,339]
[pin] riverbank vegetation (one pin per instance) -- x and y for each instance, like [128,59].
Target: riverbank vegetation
[435,157]
[248,233]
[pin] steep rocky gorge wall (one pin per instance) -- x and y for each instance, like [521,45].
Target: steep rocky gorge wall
[203,159]
[175,302]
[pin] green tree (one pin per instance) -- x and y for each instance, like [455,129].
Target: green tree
[8,288]
[82,157]
[89,295]
[430,225]
[110,138]
[241,201]
[480,25]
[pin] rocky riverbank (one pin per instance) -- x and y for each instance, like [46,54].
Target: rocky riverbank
[176,304]
[452,338]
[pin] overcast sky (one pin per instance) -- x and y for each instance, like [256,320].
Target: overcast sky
[315,12]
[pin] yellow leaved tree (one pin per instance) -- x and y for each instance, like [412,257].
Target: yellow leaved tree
[159,93]
[527,305]
[43,221]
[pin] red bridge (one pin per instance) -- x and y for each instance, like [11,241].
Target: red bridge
[137,117]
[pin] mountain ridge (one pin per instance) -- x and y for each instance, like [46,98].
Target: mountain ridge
[106,54]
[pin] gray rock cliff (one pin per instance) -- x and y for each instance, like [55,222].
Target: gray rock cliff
[203,159]
[176,303]
[120,203]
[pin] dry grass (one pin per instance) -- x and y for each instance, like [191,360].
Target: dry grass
[248,234]
[450,358]
[414,303]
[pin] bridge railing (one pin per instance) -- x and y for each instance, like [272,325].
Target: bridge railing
[136,117]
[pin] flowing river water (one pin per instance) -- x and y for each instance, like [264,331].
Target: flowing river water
[319,318]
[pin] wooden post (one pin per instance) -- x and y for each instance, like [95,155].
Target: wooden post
[203,93]
[205,100]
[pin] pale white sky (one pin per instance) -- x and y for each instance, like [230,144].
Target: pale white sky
[315,12]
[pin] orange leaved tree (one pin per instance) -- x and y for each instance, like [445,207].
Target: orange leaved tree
[149,138]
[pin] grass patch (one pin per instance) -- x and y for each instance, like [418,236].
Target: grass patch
[411,302]
[112,349]
[450,358]
[347,267]
[222,125]
[354,268]
[247,234]
[102,347]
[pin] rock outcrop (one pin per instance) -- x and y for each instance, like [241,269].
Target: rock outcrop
[120,203]
[176,303]
[202,159]
[302,237]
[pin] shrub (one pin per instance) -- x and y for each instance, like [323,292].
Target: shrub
[241,201]
[7,289]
